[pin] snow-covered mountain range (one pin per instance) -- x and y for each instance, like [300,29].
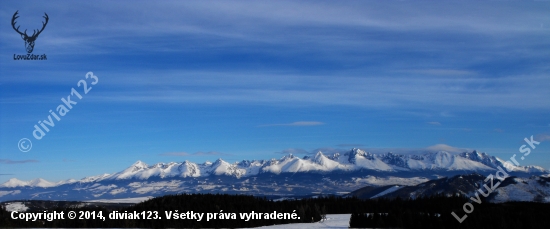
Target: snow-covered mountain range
[289,175]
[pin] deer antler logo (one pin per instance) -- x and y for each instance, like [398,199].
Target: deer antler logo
[29,40]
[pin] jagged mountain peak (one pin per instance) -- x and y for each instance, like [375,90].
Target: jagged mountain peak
[39,182]
[218,162]
[357,151]
[321,159]
[139,165]
[442,157]
[287,157]
[475,155]
[94,178]
[395,159]
[335,156]
[319,155]
[244,163]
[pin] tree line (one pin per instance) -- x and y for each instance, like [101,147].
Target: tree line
[425,212]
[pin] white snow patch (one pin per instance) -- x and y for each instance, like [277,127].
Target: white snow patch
[117,191]
[389,190]
[14,192]
[332,221]
[144,190]
[103,187]
[383,181]
[16,206]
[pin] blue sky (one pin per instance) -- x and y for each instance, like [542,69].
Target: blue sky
[200,80]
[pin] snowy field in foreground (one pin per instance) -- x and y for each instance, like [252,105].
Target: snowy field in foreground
[332,221]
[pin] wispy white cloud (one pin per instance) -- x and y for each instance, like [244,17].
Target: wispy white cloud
[542,137]
[349,145]
[276,29]
[8,161]
[176,154]
[439,72]
[433,148]
[324,150]
[290,89]
[444,147]
[210,153]
[265,21]
[446,114]
[185,154]
[294,151]
[300,123]
[330,150]
[434,123]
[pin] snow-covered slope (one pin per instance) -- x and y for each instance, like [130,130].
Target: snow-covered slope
[14,182]
[494,162]
[534,188]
